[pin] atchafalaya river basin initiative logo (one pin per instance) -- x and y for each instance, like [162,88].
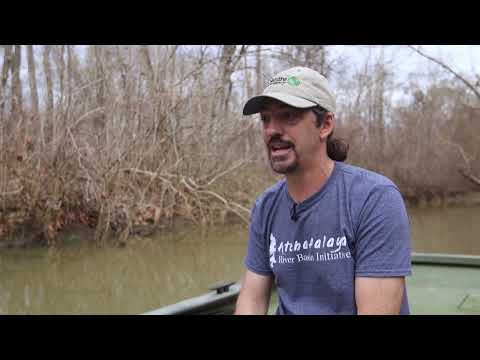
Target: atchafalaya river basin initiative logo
[329,249]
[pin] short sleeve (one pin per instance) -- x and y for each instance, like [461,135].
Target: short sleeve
[383,244]
[257,259]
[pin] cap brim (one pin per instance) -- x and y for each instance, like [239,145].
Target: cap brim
[254,105]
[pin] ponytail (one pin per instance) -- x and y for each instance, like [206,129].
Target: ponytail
[337,149]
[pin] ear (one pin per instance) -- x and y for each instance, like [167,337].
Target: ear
[327,127]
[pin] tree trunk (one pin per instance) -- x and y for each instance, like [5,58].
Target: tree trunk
[32,77]
[148,70]
[69,75]
[125,81]
[379,103]
[258,70]
[380,77]
[323,61]
[172,119]
[60,64]
[7,62]
[99,121]
[47,126]
[228,53]
[17,106]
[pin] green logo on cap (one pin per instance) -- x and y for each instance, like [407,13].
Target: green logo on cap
[292,80]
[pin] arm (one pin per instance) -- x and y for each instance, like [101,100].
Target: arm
[254,296]
[379,296]
[382,253]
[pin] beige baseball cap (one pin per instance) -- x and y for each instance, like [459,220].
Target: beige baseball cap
[299,87]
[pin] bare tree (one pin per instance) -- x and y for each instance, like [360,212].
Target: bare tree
[313,56]
[47,125]
[148,69]
[17,99]
[59,59]
[378,109]
[100,76]
[226,66]
[466,82]
[7,63]
[70,61]
[258,70]
[229,60]
[32,77]
[145,134]
[466,169]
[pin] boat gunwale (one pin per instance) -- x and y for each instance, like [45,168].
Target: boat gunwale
[212,299]
[446,259]
[199,303]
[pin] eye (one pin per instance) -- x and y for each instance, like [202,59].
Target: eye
[289,116]
[264,118]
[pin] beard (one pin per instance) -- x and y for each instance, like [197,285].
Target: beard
[282,155]
[279,169]
[281,164]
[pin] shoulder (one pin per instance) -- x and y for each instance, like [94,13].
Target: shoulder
[263,206]
[267,199]
[363,179]
[369,191]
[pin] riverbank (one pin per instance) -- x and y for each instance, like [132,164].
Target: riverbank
[439,200]
[81,232]
[86,231]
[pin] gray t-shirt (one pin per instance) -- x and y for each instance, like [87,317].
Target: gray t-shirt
[355,225]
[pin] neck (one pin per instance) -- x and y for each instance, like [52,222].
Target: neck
[306,182]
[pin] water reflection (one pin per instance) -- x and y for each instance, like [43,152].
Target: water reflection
[142,276]
[446,230]
[149,273]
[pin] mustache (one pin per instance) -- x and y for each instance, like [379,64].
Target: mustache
[277,140]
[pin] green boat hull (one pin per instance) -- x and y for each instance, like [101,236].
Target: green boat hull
[440,285]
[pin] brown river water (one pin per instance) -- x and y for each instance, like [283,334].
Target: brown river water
[152,272]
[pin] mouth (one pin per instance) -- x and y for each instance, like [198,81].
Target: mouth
[280,149]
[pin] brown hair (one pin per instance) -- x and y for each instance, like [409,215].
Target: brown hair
[337,148]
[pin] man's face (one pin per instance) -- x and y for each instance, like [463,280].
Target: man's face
[290,135]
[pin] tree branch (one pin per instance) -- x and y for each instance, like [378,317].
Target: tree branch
[449,69]
[470,176]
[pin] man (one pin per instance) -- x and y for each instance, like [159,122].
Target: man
[333,237]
